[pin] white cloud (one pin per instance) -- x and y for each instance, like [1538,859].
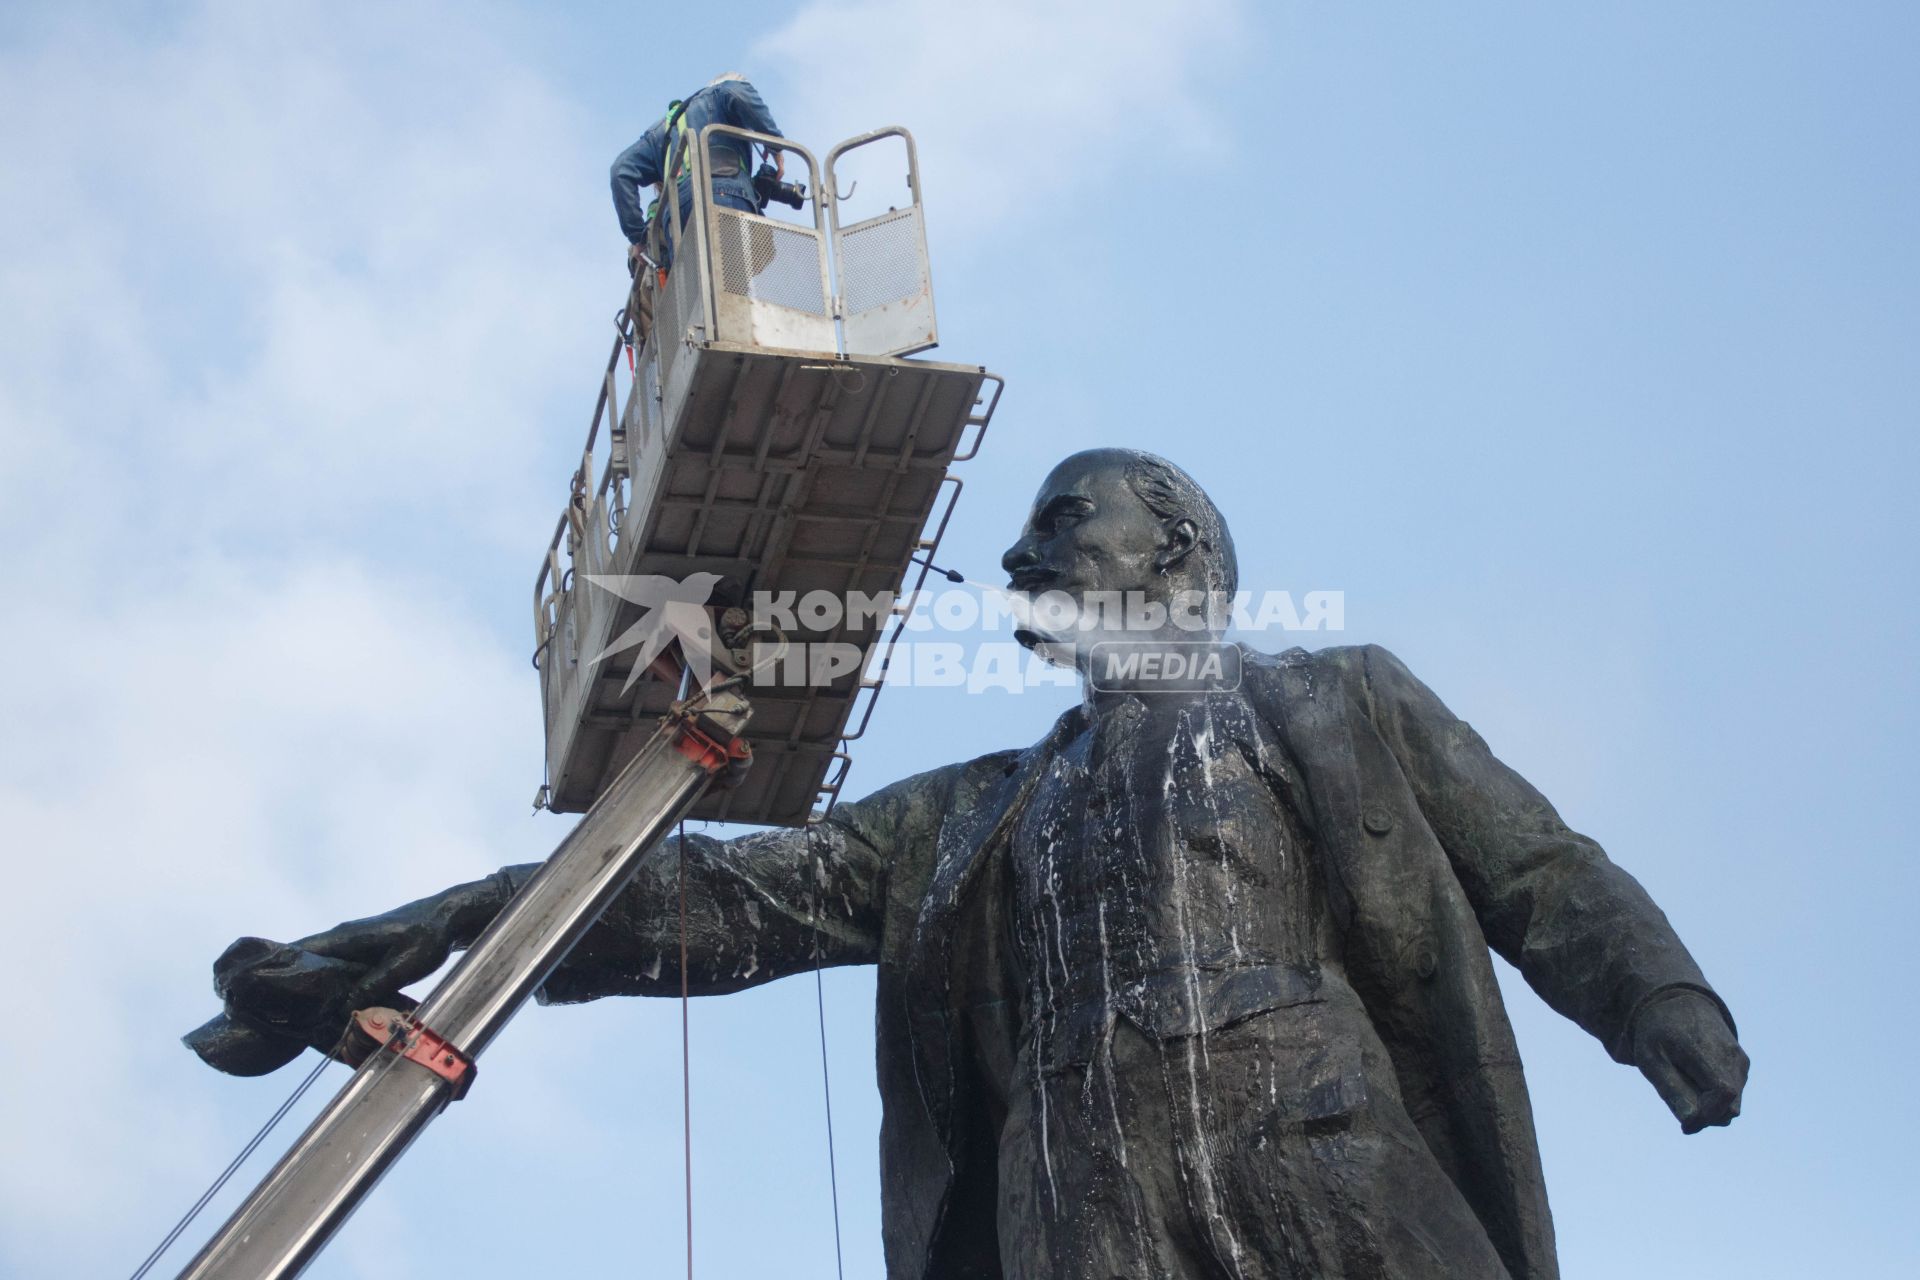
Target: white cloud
[240,755]
[306,261]
[291,296]
[1011,102]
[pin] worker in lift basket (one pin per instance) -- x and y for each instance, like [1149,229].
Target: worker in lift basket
[728,100]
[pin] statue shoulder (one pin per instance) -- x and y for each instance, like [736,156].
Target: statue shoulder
[1348,665]
[921,796]
[994,764]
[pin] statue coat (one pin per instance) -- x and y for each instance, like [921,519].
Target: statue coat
[1432,851]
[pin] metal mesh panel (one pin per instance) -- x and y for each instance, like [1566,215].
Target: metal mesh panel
[686,291]
[770,261]
[880,261]
[679,307]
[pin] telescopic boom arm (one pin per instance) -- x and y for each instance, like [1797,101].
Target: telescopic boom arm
[426,1060]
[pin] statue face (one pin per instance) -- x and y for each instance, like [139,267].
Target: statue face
[1089,531]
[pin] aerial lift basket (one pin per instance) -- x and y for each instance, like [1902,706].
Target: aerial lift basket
[775,436]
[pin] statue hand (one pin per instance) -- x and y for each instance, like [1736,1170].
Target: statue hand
[408,943]
[281,999]
[1682,1043]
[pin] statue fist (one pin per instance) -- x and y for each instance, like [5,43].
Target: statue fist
[281,999]
[1684,1045]
[389,951]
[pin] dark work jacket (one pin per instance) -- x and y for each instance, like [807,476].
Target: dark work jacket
[1432,851]
[730,102]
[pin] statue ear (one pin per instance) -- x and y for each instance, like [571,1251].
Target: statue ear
[1179,538]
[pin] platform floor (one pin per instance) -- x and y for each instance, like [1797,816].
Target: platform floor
[786,473]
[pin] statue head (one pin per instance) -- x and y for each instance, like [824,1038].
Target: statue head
[1122,521]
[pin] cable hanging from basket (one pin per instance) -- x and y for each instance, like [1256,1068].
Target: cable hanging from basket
[686,1057]
[818,870]
[252,1145]
[226,1174]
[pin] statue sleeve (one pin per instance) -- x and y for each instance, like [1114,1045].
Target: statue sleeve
[758,907]
[1583,932]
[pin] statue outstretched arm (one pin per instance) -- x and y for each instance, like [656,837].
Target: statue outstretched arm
[1584,933]
[758,907]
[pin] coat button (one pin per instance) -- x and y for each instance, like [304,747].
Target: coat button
[1424,963]
[1377,821]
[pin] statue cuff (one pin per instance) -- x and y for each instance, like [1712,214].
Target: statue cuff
[508,881]
[1661,993]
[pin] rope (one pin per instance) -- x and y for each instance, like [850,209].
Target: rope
[826,1079]
[686,1056]
[226,1174]
[686,1059]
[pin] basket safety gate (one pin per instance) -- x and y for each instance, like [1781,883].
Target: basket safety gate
[831,289]
[885,290]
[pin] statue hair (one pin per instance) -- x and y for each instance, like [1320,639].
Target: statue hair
[1172,494]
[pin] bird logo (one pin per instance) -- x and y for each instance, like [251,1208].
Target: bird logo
[676,610]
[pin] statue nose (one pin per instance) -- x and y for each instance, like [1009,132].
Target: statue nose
[1020,555]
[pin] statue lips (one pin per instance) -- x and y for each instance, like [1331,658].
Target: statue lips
[1024,585]
[1029,580]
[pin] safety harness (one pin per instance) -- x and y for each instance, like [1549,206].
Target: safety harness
[676,130]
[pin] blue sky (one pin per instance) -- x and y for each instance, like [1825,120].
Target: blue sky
[1575,345]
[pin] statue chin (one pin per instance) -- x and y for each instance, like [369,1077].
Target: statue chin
[1055,652]
[1038,621]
